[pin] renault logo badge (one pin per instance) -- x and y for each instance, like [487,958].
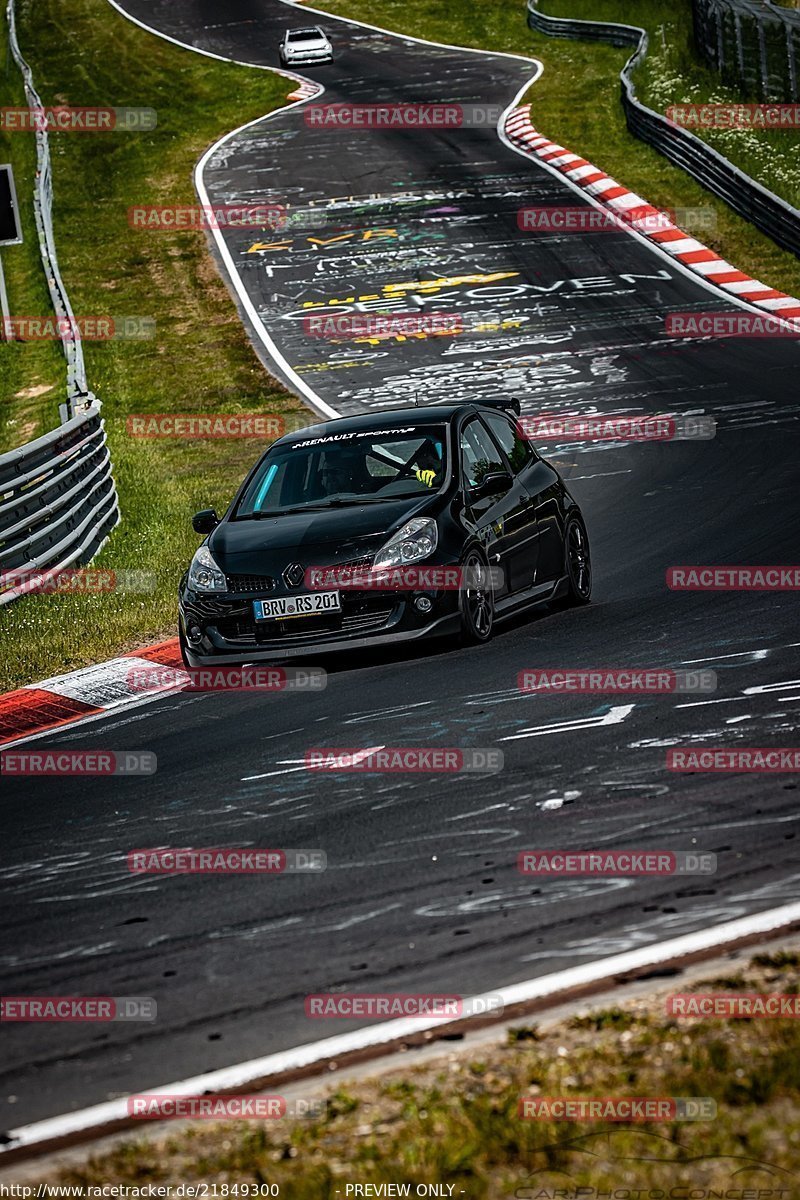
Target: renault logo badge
[293,575]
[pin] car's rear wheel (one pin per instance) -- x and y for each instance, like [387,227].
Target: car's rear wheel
[477,600]
[578,563]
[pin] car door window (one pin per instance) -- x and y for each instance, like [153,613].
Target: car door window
[517,449]
[479,455]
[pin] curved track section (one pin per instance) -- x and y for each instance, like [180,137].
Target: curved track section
[422,891]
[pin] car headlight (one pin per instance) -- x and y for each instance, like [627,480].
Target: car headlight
[415,541]
[205,575]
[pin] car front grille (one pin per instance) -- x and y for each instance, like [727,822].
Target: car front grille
[256,585]
[250,584]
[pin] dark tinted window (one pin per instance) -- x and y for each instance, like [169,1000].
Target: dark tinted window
[479,455]
[517,448]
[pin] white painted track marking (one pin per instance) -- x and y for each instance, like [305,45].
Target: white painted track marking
[228,1078]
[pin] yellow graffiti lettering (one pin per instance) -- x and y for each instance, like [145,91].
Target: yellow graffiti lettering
[454,281]
[259,246]
[343,237]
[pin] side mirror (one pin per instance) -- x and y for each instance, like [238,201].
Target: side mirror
[496,483]
[205,521]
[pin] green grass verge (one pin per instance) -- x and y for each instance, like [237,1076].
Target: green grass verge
[84,53]
[454,1121]
[576,102]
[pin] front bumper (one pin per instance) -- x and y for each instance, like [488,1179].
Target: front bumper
[314,56]
[231,634]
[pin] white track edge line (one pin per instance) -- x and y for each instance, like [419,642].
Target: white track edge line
[375,1035]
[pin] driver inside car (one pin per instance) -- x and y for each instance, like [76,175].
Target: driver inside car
[344,471]
[427,464]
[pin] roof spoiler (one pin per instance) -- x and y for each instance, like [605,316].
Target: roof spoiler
[510,403]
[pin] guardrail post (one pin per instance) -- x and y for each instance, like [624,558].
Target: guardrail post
[790,55]
[4,303]
[762,60]
[737,24]
[720,39]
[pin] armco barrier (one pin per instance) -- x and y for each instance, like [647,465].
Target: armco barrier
[77,390]
[58,503]
[754,44]
[751,200]
[57,500]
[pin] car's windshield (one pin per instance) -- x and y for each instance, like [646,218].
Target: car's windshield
[348,468]
[305,35]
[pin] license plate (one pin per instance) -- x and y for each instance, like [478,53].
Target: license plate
[307,604]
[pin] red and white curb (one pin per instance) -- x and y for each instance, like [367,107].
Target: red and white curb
[65,699]
[668,237]
[306,91]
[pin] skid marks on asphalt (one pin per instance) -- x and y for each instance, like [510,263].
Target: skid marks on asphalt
[502,718]
[647,930]
[563,892]
[713,719]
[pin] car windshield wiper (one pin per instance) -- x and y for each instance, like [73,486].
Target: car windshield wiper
[335,502]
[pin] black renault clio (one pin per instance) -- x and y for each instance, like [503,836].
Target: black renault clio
[388,527]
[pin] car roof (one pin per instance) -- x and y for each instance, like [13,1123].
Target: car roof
[386,419]
[308,29]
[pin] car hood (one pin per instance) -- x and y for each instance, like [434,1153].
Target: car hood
[313,539]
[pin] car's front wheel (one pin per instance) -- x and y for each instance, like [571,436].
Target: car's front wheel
[477,600]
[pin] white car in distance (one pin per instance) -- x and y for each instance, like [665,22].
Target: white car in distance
[305,46]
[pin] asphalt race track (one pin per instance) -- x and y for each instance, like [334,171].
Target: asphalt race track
[422,891]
